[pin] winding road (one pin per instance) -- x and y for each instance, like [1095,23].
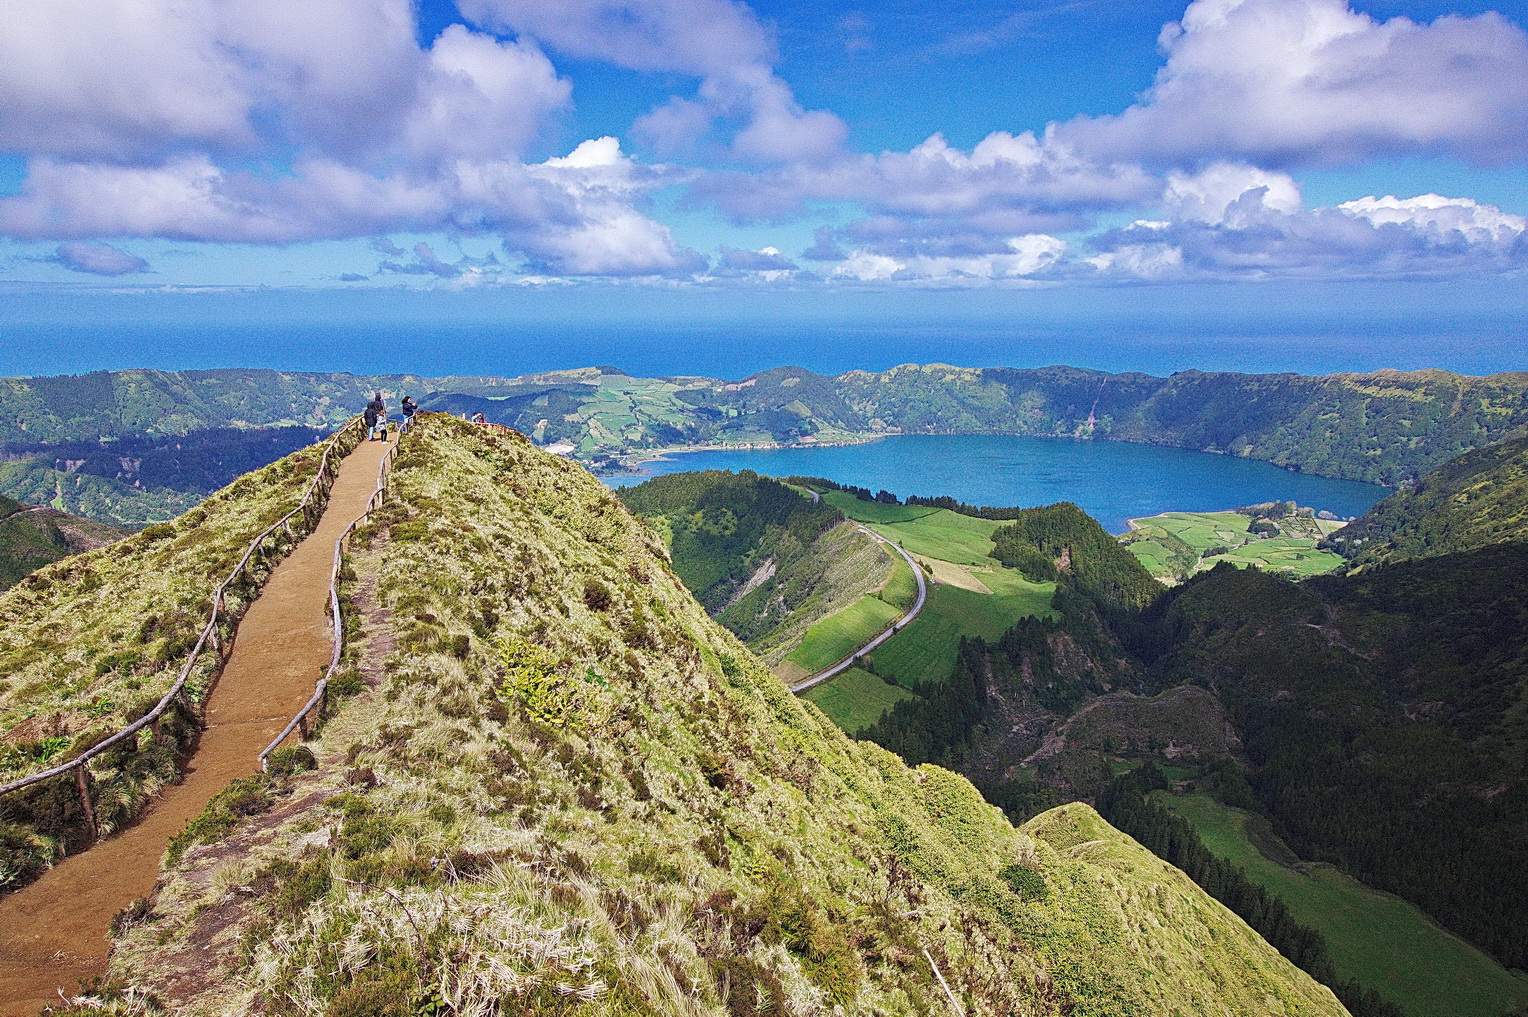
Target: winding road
[851,659]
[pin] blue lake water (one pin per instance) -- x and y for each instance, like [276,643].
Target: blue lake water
[1111,481]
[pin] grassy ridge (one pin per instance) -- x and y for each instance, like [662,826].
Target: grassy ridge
[575,793]
[90,643]
[1381,940]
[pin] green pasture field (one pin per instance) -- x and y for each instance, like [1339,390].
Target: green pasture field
[856,699]
[1294,551]
[835,637]
[1298,555]
[838,635]
[1381,940]
[874,511]
[925,650]
[900,589]
[931,532]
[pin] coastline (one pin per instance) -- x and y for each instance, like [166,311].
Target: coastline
[634,460]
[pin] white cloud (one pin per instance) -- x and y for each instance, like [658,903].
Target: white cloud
[1367,238]
[1005,185]
[98,259]
[481,99]
[608,236]
[1025,257]
[1216,192]
[1140,261]
[1439,216]
[1312,81]
[720,42]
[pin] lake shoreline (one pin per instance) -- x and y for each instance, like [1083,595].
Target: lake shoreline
[634,460]
[1113,481]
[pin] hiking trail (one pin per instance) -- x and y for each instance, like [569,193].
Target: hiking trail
[53,932]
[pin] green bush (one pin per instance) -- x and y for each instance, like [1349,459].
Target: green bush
[289,760]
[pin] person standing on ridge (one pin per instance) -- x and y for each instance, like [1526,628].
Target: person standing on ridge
[376,418]
[409,408]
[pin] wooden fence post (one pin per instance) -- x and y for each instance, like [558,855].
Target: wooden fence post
[82,781]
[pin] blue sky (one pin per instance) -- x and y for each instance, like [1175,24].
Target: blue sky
[965,155]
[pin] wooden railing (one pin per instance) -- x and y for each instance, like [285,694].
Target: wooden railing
[337,621]
[310,509]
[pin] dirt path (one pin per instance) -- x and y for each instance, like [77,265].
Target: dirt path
[53,932]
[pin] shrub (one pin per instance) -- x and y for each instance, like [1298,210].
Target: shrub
[247,797]
[1028,883]
[289,760]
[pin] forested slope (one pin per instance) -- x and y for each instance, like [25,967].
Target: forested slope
[571,792]
[1384,718]
[1477,499]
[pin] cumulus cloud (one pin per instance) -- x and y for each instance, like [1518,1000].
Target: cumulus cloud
[1286,82]
[1368,238]
[1025,257]
[98,259]
[1020,178]
[606,235]
[720,42]
[768,259]
[426,262]
[288,121]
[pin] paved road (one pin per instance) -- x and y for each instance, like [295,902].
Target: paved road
[849,661]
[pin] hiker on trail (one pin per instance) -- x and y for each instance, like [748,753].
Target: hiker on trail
[478,418]
[409,408]
[376,418]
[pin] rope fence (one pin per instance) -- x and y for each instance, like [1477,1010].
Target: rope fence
[310,510]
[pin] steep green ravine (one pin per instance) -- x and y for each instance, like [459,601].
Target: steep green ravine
[570,791]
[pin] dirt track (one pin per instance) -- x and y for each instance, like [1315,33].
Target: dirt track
[53,932]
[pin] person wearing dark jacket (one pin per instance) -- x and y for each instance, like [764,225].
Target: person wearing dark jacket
[376,418]
[409,409]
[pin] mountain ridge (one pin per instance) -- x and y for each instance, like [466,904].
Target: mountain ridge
[568,791]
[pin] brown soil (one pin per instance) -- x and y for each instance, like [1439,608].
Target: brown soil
[54,932]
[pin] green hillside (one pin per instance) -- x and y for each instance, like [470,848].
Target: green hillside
[767,562]
[90,643]
[1388,427]
[1475,500]
[33,536]
[1382,714]
[574,793]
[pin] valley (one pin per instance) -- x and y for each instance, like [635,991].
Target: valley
[1041,698]
[1049,659]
